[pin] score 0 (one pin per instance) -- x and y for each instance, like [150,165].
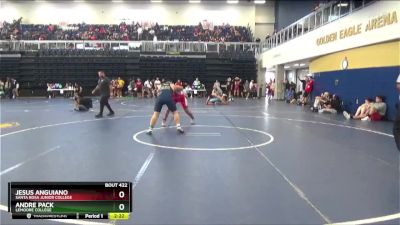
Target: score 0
[121,195]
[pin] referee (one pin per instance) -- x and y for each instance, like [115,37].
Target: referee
[103,85]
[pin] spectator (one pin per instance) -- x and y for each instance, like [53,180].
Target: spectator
[83,104]
[290,95]
[374,112]
[236,87]
[78,90]
[2,92]
[113,88]
[286,86]
[131,86]
[320,101]
[139,87]
[246,89]
[253,89]
[157,86]
[120,86]
[378,110]
[147,88]
[14,88]
[293,86]
[217,84]
[308,90]
[179,83]
[270,87]
[229,88]
[196,83]
[331,106]
[8,87]
[216,97]
[188,91]
[223,33]
[362,111]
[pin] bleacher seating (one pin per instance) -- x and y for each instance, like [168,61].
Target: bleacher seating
[34,69]
[135,32]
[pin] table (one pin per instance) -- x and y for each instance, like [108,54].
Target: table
[61,91]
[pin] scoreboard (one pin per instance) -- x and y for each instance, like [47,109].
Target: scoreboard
[70,200]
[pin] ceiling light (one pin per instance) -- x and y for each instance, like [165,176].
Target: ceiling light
[302,64]
[194,1]
[232,1]
[286,67]
[344,4]
[296,64]
[156,1]
[117,1]
[259,1]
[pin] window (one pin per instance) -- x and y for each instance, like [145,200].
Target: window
[325,14]
[311,25]
[318,19]
[344,7]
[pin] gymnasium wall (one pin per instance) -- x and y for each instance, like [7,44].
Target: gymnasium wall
[372,70]
[376,23]
[178,13]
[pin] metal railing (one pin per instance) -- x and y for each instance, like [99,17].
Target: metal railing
[138,46]
[320,17]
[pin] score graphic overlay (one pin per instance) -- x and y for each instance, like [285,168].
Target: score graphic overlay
[70,200]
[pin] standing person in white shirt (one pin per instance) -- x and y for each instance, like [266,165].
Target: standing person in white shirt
[251,85]
[147,88]
[217,84]
[157,86]
[139,31]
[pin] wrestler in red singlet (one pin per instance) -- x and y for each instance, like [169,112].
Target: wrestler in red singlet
[180,97]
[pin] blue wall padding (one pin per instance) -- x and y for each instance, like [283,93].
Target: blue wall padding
[359,84]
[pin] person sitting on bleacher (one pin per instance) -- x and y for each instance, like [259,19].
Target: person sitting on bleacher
[369,111]
[333,105]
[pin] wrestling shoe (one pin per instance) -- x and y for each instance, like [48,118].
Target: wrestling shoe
[149,131]
[366,119]
[180,130]
[163,124]
[346,115]
[98,116]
